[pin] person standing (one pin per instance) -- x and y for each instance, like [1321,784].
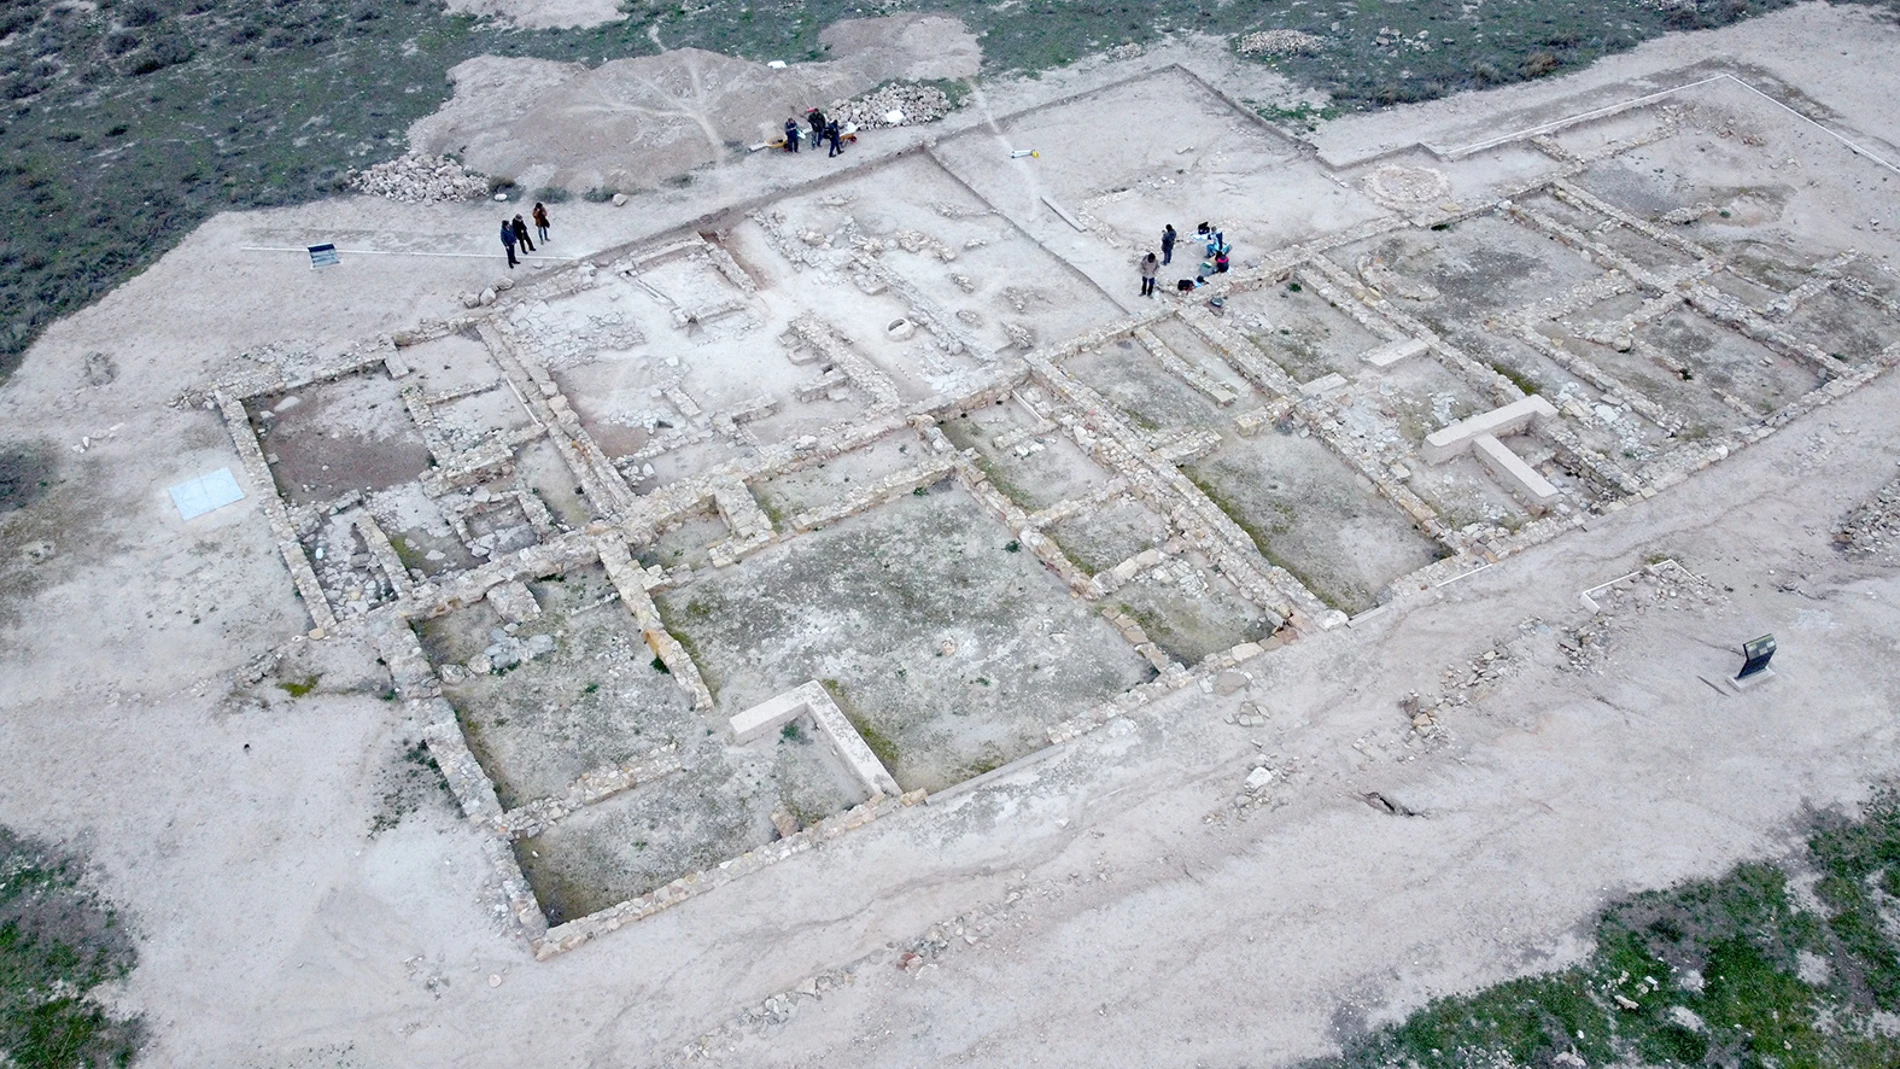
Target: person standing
[521,234]
[1167,244]
[791,135]
[508,240]
[541,221]
[817,120]
[836,136]
[1149,268]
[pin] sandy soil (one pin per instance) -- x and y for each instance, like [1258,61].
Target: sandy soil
[1111,899]
[628,123]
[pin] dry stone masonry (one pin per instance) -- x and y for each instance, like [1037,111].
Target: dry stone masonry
[533,511]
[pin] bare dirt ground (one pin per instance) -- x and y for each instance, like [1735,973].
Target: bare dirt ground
[1123,897]
[627,123]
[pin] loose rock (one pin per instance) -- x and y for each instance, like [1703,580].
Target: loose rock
[419,179]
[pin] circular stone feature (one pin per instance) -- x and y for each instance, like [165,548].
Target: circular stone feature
[1407,185]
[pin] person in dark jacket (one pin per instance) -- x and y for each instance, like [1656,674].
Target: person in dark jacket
[521,234]
[791,135]
[836,137]
[817,120]
[541,221]
[1167,244]
[508,240]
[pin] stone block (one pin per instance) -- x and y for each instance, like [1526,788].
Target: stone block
[1392,353]
[813,698]
[1442,445]
[1323,385]
[1524,480]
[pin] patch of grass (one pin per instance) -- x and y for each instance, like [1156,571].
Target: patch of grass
[791,732]
[1860,880]
[26,470]
[1005,485]
[1305,114]
[58,942]
[990,760]
[551,195]
[1072,548]
[1517,378]
[773,511]
[414,781]
[1378,55]
[407,554]
[297,688]
[881,744]
[1259,537]
[1709,973]
[957,89]
[660,666]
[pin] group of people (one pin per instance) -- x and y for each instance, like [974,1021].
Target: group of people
[515,232]
[822,130]
[1217,254]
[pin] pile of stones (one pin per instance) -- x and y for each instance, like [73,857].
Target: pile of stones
[419,179]
[1584,647]
[505,652]
[916,103]
[472,299]
[1279,43]
[1874,525]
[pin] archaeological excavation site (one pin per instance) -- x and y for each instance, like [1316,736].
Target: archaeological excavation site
[710,550]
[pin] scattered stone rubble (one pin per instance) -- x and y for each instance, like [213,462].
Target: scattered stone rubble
[1873,527]
[917,104]
[1461,686]
[1275,43]
[418,178]
[1585,646]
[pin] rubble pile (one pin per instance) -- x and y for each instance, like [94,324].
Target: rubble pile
[419,179]
[1463,684]
[506,652]
[1585,646]
[1873,526]
[917,104]
[1279,43]
[1664,585]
